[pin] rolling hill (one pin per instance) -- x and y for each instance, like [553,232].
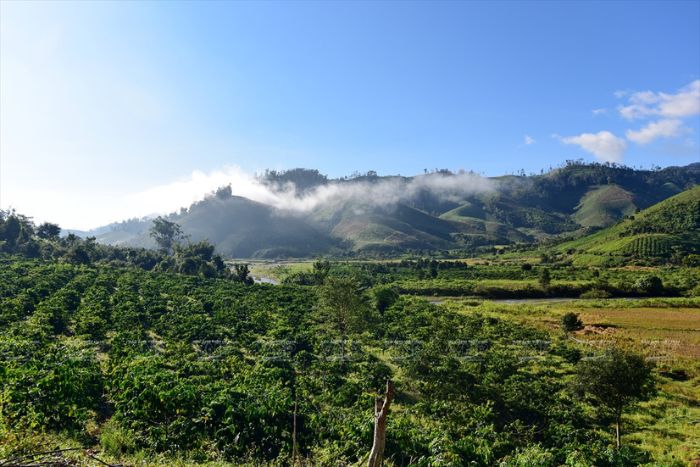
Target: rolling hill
[671,227]
[569,200]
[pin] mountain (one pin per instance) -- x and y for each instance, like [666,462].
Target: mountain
[374,215]
[671,227]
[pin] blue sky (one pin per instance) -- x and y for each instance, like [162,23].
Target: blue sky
[102,102]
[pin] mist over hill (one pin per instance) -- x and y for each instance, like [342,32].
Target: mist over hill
[302,213]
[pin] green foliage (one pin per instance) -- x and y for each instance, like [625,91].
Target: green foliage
[48,231]
[48,387]
[665,232]
[649,285]
[241,273]
[321,269]
[197,259]
[16,234]
[343,305]
[384,296]
[172,366]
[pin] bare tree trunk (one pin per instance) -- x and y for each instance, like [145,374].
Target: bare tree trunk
[295,394]
[381,410]
[618,423]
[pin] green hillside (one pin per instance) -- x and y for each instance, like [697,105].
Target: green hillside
[671,227]
[603,206]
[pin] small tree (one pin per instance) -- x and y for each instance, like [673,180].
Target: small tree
[165,233]
[615,381]
[545,278]
[571,322]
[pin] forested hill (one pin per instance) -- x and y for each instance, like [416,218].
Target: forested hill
[439,210]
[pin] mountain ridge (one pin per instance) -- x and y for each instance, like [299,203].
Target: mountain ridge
[375,215]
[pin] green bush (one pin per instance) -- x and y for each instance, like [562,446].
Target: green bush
[571,322]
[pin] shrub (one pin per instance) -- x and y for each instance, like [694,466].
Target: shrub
[649,285]
[596,293]
[571,322]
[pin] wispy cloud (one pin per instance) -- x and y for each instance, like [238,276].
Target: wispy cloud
[597,112]
[603,145]
[529,140]
[667,128]
[684,103]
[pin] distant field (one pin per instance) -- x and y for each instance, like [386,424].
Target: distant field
[646,325]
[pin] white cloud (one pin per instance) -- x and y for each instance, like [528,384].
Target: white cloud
[529,140]
[603,145]
[668,128]
[685,103]
[599,111]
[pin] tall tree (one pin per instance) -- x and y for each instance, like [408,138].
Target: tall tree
[343,307]
[342,304]
[165,233]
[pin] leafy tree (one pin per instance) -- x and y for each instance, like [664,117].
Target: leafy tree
[342,304]
[16,232]
[571,322]
[48,231]
[71,239]
[615,381]
[165,233]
